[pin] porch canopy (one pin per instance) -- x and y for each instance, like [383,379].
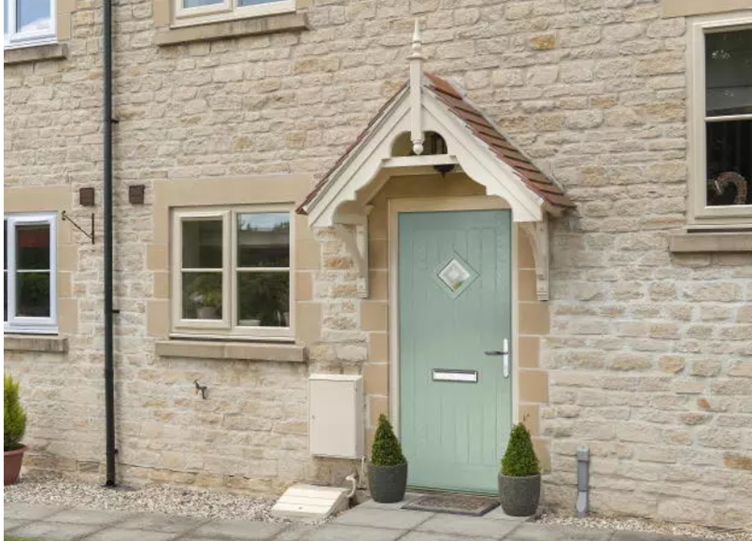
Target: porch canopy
[432,112]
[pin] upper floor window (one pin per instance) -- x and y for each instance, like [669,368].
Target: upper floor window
[721,145]
[231,272]
[30,273]
[28,22]
[217,10]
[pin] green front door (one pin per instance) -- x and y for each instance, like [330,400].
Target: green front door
[455,319]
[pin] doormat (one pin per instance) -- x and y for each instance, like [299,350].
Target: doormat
[455,504]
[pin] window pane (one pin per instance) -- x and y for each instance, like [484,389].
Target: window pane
[264,299]
[5,296]
[198,3]
[202,295]
[33,247]
[33,15]
[264,240]
[202,244]
[257,2]
[33,294]
[729,163]
[728,58]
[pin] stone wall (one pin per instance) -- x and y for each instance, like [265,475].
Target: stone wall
[649,354]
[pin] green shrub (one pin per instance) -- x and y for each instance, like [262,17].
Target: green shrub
[14,418]
[519,459]
[386,450]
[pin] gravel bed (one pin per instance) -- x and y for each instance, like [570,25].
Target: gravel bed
[54,490]
[640,525]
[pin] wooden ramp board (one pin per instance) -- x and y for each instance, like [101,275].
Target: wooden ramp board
[310,502]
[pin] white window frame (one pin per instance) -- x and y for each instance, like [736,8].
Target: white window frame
[31,325]
[700,214]
[225,327]
[227,10]
[15,39]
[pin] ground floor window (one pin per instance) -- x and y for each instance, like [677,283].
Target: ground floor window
[232,271]
[28,22]
[30,273]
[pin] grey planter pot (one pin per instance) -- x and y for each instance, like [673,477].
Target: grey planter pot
[520,495]
[387,483]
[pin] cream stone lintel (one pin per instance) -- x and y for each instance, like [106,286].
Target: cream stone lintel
[284,353]
[537,234]
[710,242]
[679,8]
[41,344]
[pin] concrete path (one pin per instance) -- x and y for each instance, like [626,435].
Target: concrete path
[367,522]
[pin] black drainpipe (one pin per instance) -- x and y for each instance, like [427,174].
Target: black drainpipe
[109,373]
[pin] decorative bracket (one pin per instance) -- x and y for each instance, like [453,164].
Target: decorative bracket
[537,233]
[353,230]
[89,235]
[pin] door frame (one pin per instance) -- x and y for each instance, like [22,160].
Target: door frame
[439,204]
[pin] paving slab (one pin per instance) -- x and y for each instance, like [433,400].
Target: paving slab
[409,497]
[431,536]
[25,511]
[646,536]
[499,514]
[12,523]
[540,532]
[293,533]
[162,523]
[120,534]
[394,519]
[55,531]
[341,532]
[467,526]
[239,529]
[89,516]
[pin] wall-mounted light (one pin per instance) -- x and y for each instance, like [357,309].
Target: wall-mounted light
[86,197]
[444,168]
[136,194]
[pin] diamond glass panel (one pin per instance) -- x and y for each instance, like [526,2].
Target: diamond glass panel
[455,275]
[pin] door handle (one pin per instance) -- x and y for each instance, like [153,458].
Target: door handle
[505,358]
[504,353]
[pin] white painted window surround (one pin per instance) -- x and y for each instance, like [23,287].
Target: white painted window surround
[29,22]
[191,12]
[31,273]
[723,108]
[232,272]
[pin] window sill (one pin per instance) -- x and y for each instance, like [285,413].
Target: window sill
[36,53]
[710,242]
[246,351]
[42,344]
[232,29]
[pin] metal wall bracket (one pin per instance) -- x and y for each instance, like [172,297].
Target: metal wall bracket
[537,234]
[91,235]
[352,229]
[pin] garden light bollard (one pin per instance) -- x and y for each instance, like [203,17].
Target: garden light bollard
[583,479]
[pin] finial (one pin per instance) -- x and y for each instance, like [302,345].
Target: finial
[417,42]
[416,77]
